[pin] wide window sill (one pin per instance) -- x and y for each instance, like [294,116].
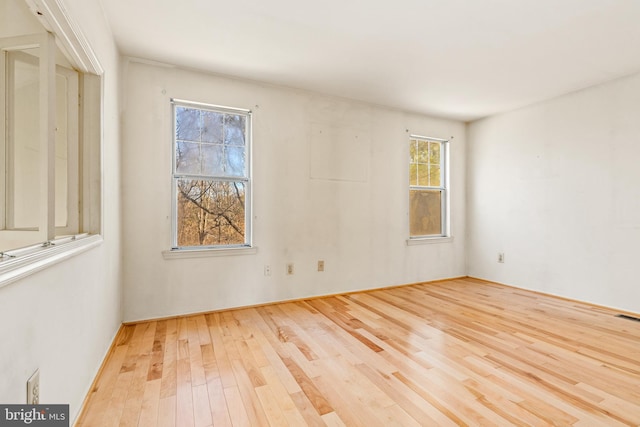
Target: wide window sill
[429,240]
[208,252]
[19,263]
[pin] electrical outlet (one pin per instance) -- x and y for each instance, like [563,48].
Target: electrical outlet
[290,269]
[320,265]
[501,257]
[33,388]
[267,270]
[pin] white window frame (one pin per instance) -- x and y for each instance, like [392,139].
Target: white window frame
[21,262]
[445,228]
[207,250]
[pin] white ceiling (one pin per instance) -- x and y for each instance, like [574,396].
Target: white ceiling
[461,59]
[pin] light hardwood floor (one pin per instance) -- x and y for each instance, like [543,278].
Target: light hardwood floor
[459,352]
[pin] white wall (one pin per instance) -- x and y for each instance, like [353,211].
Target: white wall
[555,186]
[358,227]
[63,319]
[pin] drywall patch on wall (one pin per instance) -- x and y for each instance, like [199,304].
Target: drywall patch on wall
[339,153]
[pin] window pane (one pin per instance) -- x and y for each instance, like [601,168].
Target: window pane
[234,127]
[210,213]
[413,174]
[413,151]
[235,161]
[434,153]
[423,151]
[423,175]
[434,176]
[187,124]
[212,127]
[425,212]
[212,159]
[187,157]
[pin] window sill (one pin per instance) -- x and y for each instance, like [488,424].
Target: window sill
[429,240]
[35,258]
[209,252]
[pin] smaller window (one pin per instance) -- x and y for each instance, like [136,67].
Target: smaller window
[428,198]
[211,176]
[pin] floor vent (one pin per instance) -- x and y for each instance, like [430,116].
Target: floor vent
[624,316]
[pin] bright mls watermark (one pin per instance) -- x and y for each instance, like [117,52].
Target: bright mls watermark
[34,415]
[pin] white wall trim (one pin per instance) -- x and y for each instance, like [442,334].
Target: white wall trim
[205,253]
[39,258]
[429,240]
[53,15]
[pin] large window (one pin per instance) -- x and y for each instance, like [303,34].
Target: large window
[211,176]
[428,198]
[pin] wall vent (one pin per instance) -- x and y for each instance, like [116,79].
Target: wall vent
[624,316]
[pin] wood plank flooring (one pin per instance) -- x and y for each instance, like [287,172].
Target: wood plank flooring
[451,353]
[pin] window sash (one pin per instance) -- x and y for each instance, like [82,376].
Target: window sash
[442,214]
[247,215]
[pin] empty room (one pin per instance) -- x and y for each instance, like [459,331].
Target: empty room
[340,213]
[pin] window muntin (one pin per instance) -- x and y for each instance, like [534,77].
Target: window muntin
[211,176]
[428,198]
